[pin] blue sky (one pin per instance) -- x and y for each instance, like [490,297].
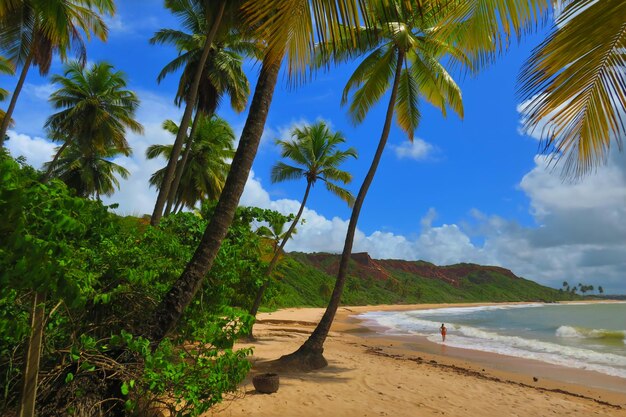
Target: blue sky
[471,190]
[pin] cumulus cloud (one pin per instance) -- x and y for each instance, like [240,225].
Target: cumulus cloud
[580,235]
[418,150]
[36,150]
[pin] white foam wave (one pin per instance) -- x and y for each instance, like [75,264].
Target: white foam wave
[584,333]
[468,337]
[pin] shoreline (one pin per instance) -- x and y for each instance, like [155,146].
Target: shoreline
[378,374]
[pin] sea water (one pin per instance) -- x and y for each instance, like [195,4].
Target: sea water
[582,336]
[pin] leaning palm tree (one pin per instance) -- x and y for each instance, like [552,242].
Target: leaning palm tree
[96,109]
[575,84]
[32,31]
[212,23]
[87,170]
[222,75]
[316,157]
[287,30]
[408,62]
[206,170]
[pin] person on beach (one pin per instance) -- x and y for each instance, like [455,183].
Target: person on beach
[443,331]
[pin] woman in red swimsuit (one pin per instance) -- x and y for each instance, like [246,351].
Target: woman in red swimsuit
[443,331]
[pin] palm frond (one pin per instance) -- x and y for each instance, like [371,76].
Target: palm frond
[575,85]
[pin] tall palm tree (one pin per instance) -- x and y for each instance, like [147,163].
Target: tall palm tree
[407,62]
[575,84]
[6,67]
[32,31]
[316,157]
[223,73]
[213,20]
[96,110]
[204,175]
[88,170]
[285,29]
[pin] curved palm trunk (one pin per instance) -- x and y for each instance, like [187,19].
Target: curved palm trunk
[18,88]
[310,355]
[185,288]
[184,123]
[180,167]
[277,252]
[48,173]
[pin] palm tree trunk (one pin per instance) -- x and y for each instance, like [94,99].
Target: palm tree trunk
[310,354]
[48,173]
[190,101]
[277,252]
[33,353]
[18,88]
[178,206]
[172,306]
[181,165]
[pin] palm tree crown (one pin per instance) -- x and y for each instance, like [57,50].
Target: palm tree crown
[316,157]
[88,171]
[32,31]
[96,108]
[206,168]
[223,73]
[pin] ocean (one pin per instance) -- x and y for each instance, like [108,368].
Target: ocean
[580,336]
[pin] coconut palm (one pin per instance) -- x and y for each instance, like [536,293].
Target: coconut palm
[96,109]
[212,23]
[575,84]
[6,67]
[285,29]
[222,75]
[316,157]
[32,31]
[407,62]
[206,170]
[88,170]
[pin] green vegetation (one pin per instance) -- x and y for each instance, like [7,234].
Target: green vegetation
[303,283]
[101,277]
[117,316]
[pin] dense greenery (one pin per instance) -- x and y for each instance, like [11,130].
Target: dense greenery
[303,283]
[103,275]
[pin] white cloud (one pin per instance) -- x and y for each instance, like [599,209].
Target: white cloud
[580,237]
[36,150]
[418,150]
[39,91]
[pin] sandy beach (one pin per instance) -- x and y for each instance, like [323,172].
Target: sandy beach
[372,375]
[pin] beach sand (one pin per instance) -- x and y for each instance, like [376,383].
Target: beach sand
[371,375]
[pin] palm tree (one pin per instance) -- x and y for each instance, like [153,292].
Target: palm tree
[6,67]
[316,157]
[407,62]
[285,29]
[213,20]
[204,175]
[575,84]
[223,73]
[96,111]
[33,30]
[88,170]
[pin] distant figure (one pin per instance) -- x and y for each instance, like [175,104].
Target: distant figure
[443,331]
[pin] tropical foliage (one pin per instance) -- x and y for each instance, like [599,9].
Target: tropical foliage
[103,274]
[32,31]
[95,110]
[575,84]
[313,150]
[204,173]
[87,170]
